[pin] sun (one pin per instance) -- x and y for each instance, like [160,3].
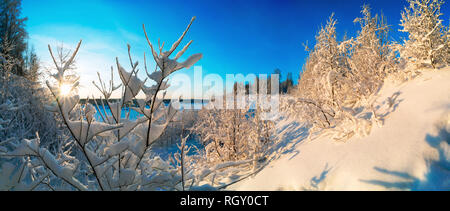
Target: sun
[65,89]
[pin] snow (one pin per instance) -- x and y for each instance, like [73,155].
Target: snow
[84,131]
[116,148]
[95,160]
[150,91]
[116,109]
[27,147]
[190,61]
[128,126]
[126,177]
[167,65]
[65,172]
[68,103]
[410,151]
[131,82]
[205,171]
[156,131]
[7,176]
[156,76]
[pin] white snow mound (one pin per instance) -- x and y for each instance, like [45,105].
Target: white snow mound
[410,151]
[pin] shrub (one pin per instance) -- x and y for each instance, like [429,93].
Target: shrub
[111,154]
[427,43]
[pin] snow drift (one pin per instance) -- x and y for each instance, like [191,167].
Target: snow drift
[409,151]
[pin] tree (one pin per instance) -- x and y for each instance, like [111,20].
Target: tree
[237,133]
[340,76]
[12,30]
[287,85]
[31,64]
[427,43]
[269,85]
[290,79]
[318,94]
[108,154]
[15,89]
[371,58]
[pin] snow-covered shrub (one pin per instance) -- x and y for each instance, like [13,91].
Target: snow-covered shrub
[339,78]
[22,101]
[427,43]
[324,79]
[371,58]
[222,132]
[234,134]
[185,164]
[171,135]
[22,114]
[111,153]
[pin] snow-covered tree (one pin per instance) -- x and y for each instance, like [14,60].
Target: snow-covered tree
[31,65]
[323,78]
[12,29]
[111,153]
[427,42]
[26,93]
[223,133]
[236,133]
[22,114]
[371,58]
[340,77]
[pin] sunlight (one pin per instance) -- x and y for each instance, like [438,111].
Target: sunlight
[65,89]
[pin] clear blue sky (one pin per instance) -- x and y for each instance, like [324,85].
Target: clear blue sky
[235,36]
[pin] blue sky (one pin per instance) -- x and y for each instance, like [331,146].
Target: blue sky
[235,36]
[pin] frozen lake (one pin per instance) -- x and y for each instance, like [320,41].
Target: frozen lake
[163,150]
[133,115]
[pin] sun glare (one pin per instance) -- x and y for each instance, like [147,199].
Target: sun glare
[65,89]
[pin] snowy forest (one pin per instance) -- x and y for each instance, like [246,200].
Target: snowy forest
[366,113]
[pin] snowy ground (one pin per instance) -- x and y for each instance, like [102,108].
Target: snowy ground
[410,151]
